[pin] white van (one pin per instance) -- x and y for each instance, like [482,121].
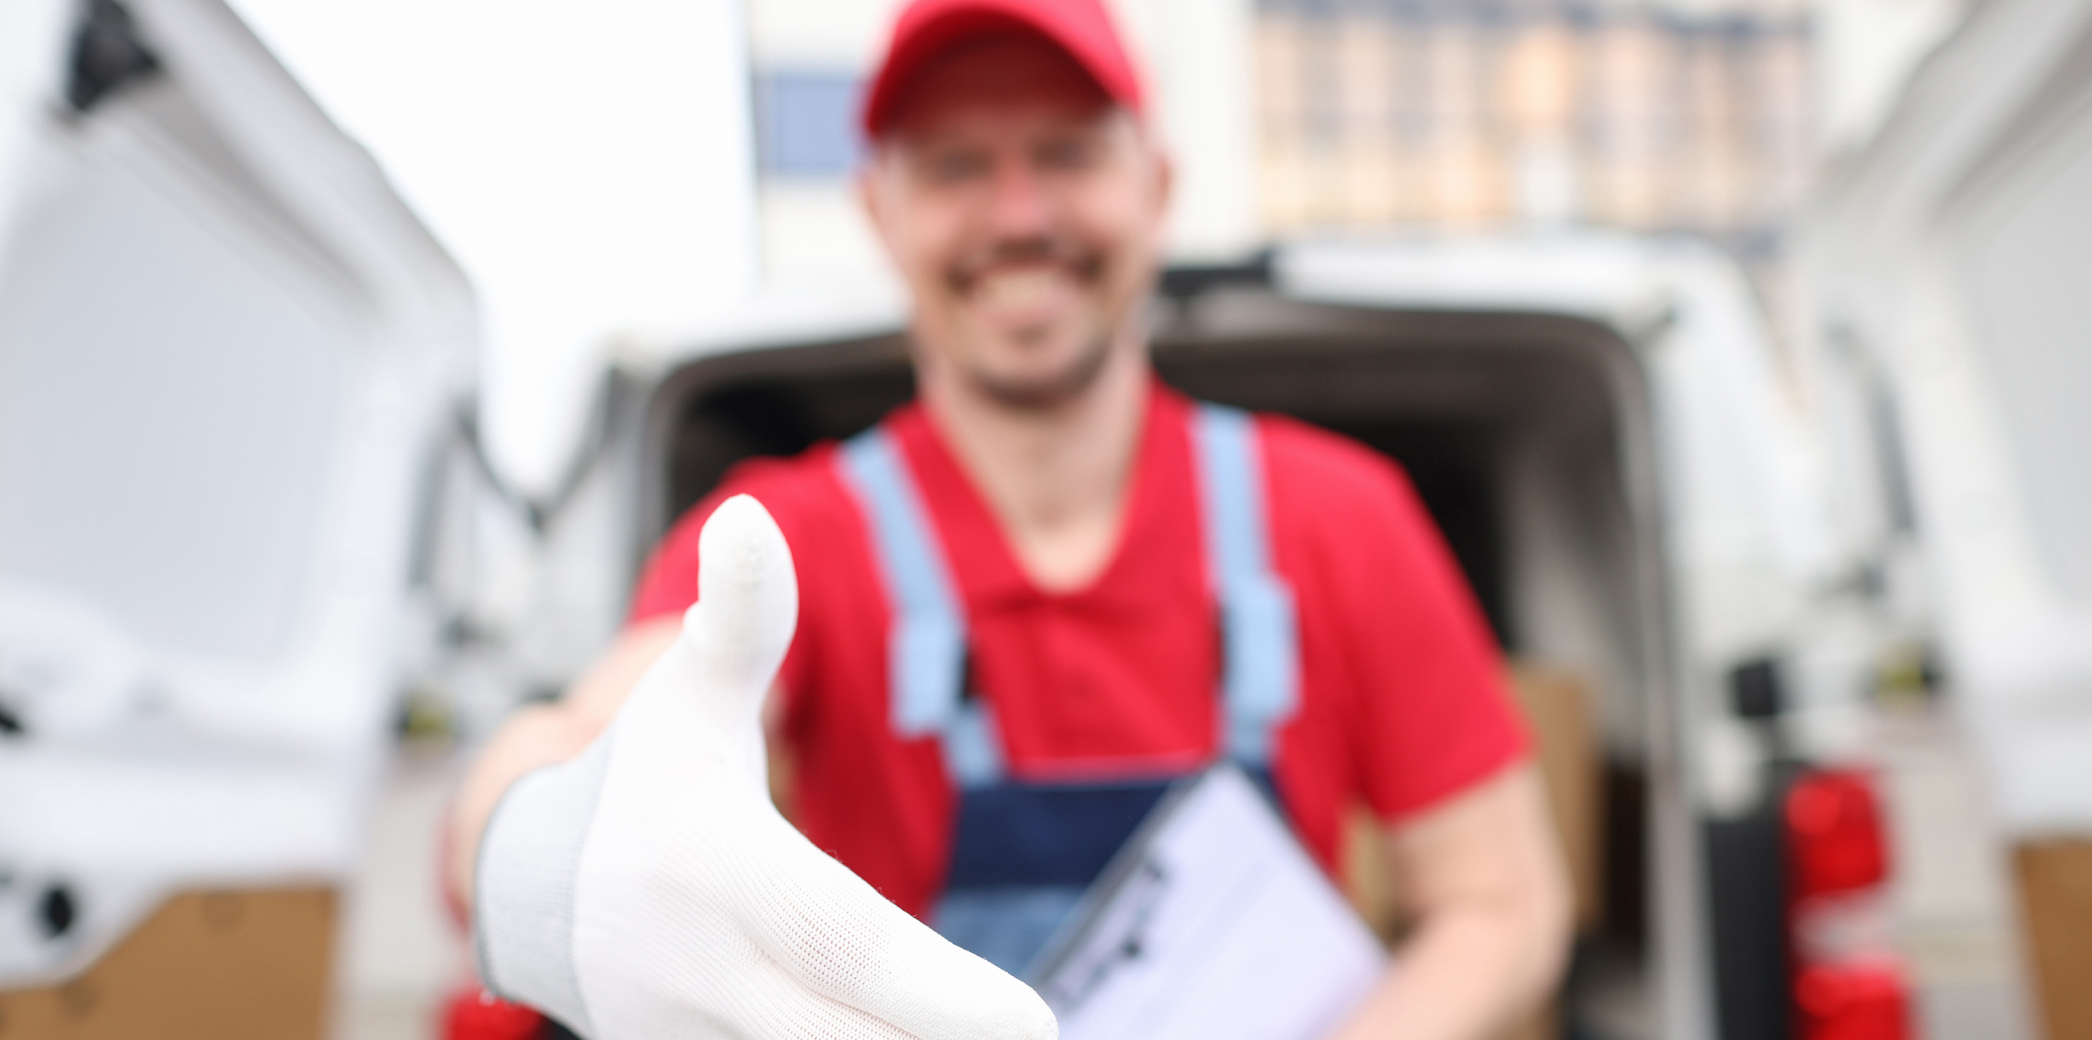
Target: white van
[1947,269]
[226,349]
[235,498]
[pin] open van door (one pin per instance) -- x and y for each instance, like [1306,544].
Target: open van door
[1951,261]
[228,353]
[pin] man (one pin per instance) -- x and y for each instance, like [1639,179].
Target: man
[1016,599]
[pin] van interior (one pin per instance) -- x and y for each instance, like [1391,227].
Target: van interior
[1523,434]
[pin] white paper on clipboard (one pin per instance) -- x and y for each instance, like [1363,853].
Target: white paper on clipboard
[1211,924]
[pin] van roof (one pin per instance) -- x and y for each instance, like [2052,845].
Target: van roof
[1620,280]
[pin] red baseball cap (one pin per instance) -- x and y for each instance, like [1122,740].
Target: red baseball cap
[929,28]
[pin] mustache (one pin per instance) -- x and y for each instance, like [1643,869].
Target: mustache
[1032,251]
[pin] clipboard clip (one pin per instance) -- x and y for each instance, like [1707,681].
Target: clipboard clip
[1119,936]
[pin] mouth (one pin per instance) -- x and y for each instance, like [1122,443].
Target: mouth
[1025,299]
[1032,278]
[1020,289]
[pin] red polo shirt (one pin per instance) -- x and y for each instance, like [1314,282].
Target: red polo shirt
[1401,698]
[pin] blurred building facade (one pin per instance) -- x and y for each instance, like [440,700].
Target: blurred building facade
[1377,114]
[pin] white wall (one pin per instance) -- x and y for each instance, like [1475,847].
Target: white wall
[587,164]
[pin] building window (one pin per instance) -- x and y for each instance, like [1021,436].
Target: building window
[806,123]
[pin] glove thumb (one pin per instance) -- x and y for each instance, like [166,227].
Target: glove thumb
[735,635]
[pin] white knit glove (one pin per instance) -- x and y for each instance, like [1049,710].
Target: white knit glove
[648,890]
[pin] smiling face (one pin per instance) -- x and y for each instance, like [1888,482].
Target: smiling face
[1025,212]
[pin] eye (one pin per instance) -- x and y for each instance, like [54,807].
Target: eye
[1071,153]
[952,166]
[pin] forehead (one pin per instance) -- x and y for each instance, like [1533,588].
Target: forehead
[992,82]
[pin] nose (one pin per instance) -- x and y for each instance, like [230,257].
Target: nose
[1018,207]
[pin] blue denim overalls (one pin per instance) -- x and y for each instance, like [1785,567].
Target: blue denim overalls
[1023,852]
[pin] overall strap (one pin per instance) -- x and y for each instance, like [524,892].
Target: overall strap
[926,651]
[926,648]
[1260,642]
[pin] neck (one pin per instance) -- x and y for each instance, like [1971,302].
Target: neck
[1056,476]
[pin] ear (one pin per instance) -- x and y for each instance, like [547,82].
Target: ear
[1165,170]
[873,195]
[1163,179]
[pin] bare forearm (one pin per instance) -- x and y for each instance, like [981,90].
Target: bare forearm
[1492,905]
[1465,975]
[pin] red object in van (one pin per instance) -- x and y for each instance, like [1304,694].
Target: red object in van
[1834,834]
[1853,1002]
[1848,984]
[475,1014]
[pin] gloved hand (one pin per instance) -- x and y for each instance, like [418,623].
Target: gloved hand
[648,889]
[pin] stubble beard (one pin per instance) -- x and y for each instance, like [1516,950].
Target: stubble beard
[1047,391]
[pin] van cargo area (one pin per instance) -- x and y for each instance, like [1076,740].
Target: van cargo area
[1525,435]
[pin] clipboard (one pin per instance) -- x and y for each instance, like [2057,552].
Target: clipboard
[1212,923]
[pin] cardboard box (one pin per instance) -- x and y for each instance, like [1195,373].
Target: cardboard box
[1560,710]
[249,964]
[2055,901]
